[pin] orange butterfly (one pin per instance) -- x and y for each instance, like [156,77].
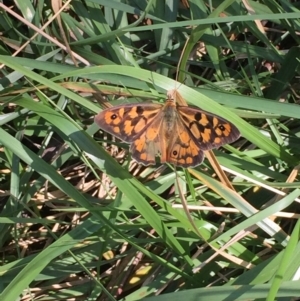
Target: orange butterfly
[177,134]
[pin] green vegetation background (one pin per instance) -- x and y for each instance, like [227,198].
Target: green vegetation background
[79,220]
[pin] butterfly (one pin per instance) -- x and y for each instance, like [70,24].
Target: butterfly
[177,134]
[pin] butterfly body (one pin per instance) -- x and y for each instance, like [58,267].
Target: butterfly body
[170,116]
[176,134]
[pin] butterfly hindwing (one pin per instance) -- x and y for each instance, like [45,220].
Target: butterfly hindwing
[150,143]
[184,150]
[127,121]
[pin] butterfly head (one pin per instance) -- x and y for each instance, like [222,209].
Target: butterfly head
[173,96]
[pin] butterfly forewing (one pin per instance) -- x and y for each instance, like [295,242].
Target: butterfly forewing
[127,121]
[211,131]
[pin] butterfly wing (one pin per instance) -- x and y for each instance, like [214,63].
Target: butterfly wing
[210,131]
[127,121]
[196,131]
[184,150]
[150,143]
